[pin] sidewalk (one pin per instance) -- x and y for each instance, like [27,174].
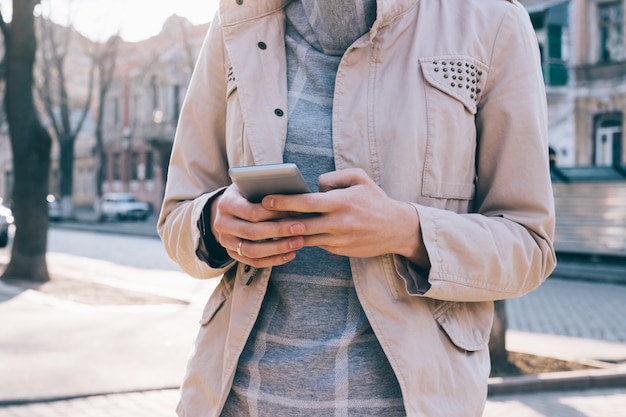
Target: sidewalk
[86,219]
[126,358]
[133,333]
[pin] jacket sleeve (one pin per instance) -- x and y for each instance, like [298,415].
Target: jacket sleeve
[504,249]
[198,167]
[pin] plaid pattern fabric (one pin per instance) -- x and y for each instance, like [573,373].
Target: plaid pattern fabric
[312,352]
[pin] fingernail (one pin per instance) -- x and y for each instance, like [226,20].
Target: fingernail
[269,202]
[295,243]
[297,229]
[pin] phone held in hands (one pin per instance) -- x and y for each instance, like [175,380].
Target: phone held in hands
[255,182]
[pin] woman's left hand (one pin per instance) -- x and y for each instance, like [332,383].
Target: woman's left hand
[354,217]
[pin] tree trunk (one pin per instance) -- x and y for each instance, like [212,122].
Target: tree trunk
[497,339]
[30,144]
[66,171]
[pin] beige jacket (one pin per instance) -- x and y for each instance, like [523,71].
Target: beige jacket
[442,103]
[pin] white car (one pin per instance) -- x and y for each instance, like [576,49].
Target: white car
[123,206]
[6,219]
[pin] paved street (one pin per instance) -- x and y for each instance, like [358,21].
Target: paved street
[569,319]
[592,403]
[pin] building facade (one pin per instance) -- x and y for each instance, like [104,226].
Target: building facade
[139,119]
[599,65]
[582,43]
[142,109]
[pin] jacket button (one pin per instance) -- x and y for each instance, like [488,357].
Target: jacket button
[279,112]
[262,45]
[246,268]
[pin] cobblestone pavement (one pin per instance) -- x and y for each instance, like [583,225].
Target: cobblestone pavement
[587,310]
[591,403]
[141,404]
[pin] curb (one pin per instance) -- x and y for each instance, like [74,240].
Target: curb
[44,400]
[558,381]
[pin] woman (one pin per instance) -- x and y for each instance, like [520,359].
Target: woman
[422,124]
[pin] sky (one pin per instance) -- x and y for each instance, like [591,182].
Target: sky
[134,19]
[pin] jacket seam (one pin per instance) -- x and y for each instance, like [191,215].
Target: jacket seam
[493,47]
[371,125]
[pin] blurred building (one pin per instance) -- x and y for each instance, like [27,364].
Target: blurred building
[584,66]
[139,117]
[143,105]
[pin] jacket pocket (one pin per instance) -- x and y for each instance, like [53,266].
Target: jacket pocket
[217,298]
[453,87]
[467,325]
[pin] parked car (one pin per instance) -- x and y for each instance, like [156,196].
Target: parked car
[6,219]
[123,206]
[54,208]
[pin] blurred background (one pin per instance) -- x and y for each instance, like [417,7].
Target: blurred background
[103,313]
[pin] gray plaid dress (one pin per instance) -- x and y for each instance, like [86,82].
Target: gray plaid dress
[312,352]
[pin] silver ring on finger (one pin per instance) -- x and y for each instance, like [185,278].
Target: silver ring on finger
[239,245]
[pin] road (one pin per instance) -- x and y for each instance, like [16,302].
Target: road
[135,251]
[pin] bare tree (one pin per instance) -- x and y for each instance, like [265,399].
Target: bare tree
[105,58]
[30,144]
[58,105]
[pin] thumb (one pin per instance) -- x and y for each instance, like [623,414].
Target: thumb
[341,179]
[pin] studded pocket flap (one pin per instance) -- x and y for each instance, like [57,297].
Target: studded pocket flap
[459,76]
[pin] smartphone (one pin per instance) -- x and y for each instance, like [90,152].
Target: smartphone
[255,182]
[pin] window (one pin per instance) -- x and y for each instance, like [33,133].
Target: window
[154,90]
[157,113]
[555,71]
[608,139]
[134,165]
[117,168]
[149,165]
[611,32]
[176,101]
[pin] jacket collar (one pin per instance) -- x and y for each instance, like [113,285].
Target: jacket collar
[232,12]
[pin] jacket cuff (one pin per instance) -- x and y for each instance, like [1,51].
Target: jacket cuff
[415,278]
[209,250]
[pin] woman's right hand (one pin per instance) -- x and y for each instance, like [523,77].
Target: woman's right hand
[252,234]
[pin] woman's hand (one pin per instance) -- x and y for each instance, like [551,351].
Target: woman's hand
[253,234]
[354,218]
